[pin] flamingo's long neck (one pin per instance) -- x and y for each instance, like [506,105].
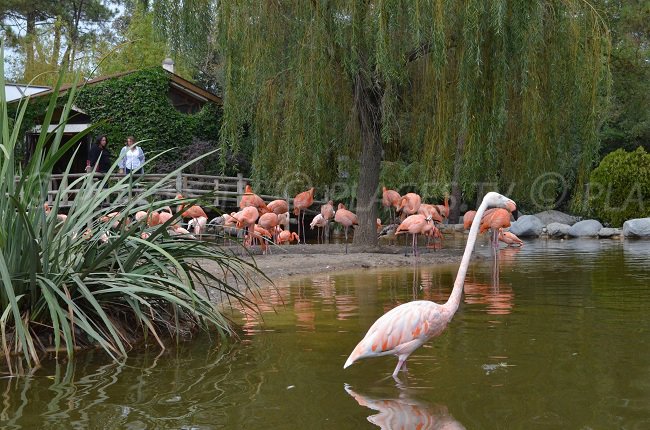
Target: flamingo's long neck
[457,292]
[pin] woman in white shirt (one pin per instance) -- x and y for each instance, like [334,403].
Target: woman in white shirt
[131,157]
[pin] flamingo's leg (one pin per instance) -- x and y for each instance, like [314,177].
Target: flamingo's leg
[401,361]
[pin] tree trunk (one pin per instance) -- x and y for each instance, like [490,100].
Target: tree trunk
[367,100]
[57,43]
[30,33]
[454,210]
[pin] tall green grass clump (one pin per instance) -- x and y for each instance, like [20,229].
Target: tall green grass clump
[80,282]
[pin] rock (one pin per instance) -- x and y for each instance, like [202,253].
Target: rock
[586,228]
[552,216]
[638,227]
[556,229]
[527,226]
[609,232]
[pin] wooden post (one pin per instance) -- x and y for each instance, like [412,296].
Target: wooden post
[216,193]
[240,187]
[286,198]
[179,182]
[185,186]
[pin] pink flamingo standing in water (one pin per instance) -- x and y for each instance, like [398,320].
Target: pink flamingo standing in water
[493,220]
[347,219]
[300,204]
[405,328]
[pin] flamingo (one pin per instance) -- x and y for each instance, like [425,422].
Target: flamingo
[152,218]
[177,230]
[444,208]
[251,199]
[286,236]
[300,203]
[264,236]
[414,224]
[409,204]
[194,211]
[269,221]
[165,215]
[327,211]
[117,218]
[494,219]
[246,218]
[390,199]
[319,222]
[408,326]
[468,218]
[346,218]
[59,217]
[434,233]
[278,206]
[509,239]
[283,220]
[431,211]
[230,226]
[197,224]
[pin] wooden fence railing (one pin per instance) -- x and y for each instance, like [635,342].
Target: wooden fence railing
[225,191]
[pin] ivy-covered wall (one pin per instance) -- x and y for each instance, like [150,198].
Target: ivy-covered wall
[137,105]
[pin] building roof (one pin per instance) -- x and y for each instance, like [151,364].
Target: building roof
[15,91]
[176,81]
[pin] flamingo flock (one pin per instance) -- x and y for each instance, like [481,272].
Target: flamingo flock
[259,222]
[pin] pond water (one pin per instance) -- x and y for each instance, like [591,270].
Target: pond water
[561,340]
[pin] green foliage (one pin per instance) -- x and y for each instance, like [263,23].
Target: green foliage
[620,186]
[137,104]
[628,121]
[83,282]
[53,35]
[524,82]
[138,47]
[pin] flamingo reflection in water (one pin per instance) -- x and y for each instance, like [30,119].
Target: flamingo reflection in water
[406,413]
[503,257]
[498,299]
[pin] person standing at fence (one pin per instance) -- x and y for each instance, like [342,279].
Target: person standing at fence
[131,157]
[99,156]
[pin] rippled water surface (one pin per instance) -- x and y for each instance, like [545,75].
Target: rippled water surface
[561,340]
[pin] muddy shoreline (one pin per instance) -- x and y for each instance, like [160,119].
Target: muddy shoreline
[303,260]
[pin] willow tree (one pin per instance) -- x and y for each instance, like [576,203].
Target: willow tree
[473,91]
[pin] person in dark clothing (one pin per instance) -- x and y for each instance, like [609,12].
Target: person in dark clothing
[99,155]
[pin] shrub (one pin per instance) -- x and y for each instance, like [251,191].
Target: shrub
[620,186]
